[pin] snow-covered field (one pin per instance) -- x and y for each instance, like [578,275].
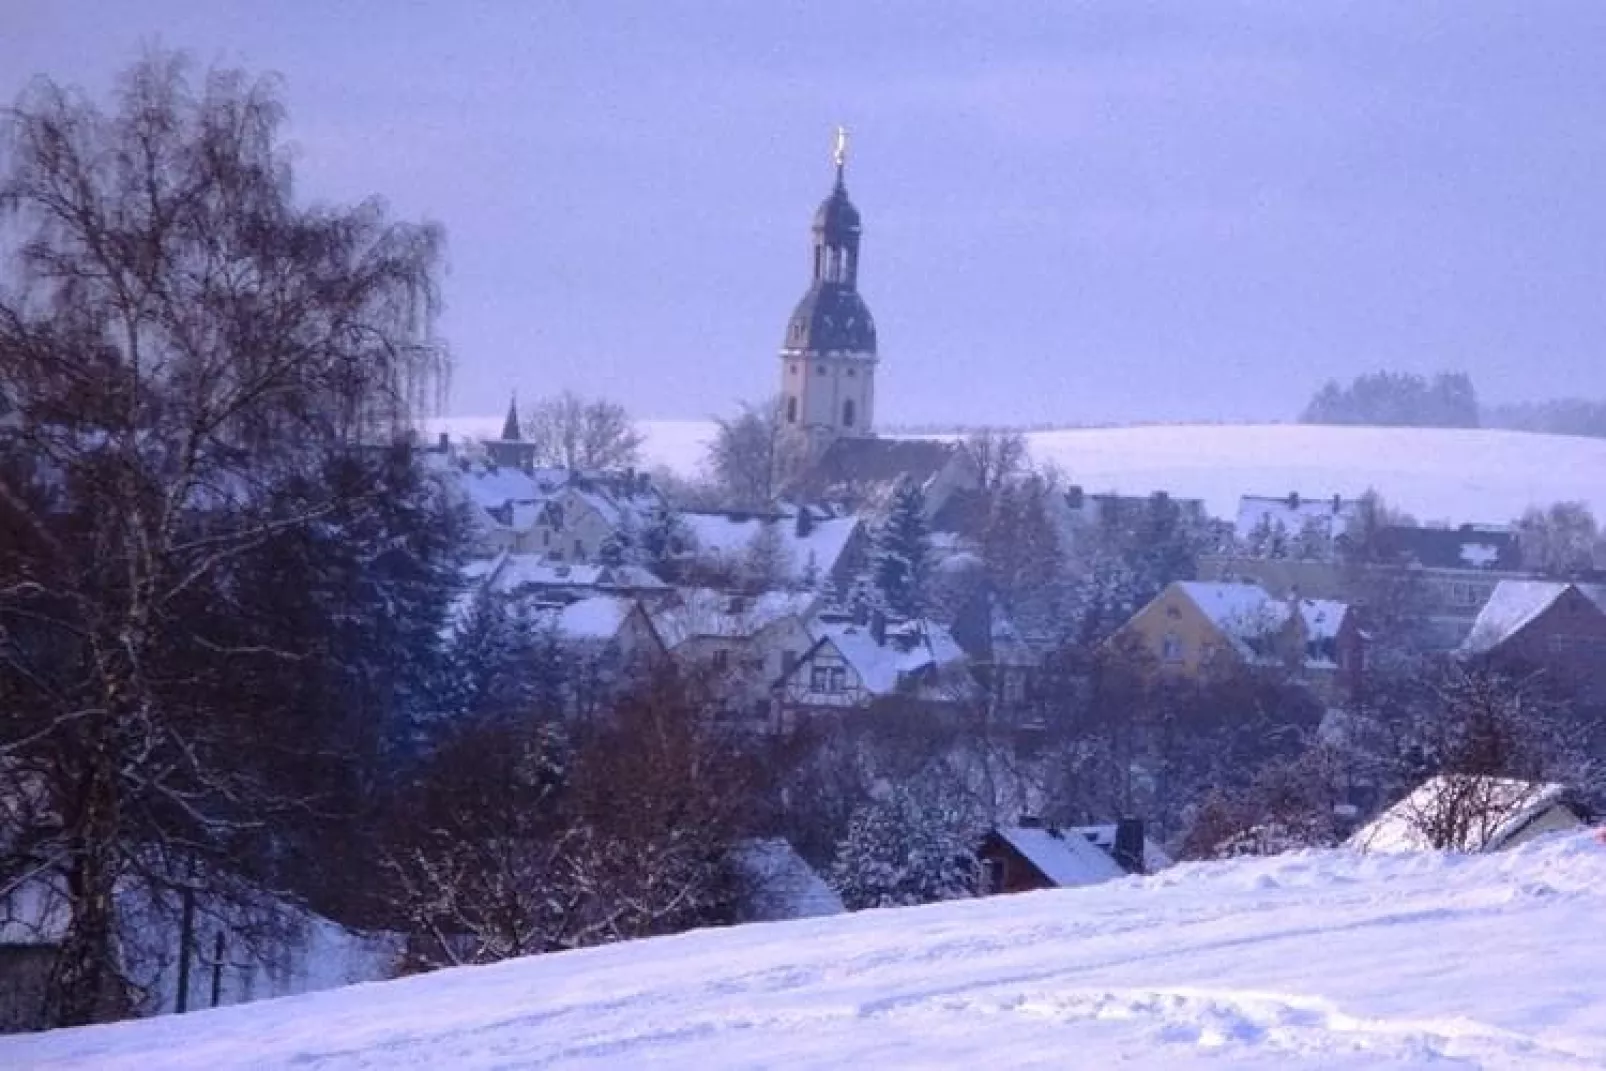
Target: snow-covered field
[1436,474]
[1327,960]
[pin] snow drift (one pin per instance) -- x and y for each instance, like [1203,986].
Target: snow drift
[1330,960]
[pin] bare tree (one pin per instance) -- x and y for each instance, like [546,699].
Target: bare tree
[754,456]
[184,344]
[472,855]
[1000,455]
[583,434]
[1559,541]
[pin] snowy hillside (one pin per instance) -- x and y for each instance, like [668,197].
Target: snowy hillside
[1332,960]
[1433,473]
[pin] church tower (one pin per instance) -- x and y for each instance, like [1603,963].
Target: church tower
[828,358]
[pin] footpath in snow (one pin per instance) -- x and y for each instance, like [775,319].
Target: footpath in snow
[1323,960]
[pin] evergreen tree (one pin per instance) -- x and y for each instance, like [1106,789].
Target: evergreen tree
[901,560]
[767,564]
[902,850]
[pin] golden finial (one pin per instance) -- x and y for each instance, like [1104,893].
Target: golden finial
[840,153]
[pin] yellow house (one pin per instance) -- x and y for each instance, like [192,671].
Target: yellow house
[1192,625]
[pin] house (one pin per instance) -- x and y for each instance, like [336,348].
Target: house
[1293,526]
[1556,625]
[590,513]
[1003,662]
[747,642]
[1192,625]
[500,501]
[803,547]
[1469,813]
[554,513]
[270,948]
[778,885]
[863,473]
[1031,856]
[1107,510]
[858,665]
[1447,573]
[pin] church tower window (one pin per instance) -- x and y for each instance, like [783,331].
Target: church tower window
[847,413]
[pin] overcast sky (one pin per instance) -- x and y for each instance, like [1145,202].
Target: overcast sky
[1074,213]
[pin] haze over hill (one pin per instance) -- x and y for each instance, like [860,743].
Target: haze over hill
[1435,474]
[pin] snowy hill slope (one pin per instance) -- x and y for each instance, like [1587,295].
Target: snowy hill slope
[1327,960]
[1433,473]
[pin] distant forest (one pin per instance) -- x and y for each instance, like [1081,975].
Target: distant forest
[1445,400]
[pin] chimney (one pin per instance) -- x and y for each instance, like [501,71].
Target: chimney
[1293,500]
[1074,496]
[805,522]
[1127,851]
[861,612]
[445,442]
[1338,504]
[878,627]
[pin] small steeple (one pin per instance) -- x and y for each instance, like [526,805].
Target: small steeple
[839,154]
[510,426]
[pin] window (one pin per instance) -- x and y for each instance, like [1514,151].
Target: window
[791,408]
[847,413]
[1171,648]
[822,369]
[830,679]
[722,660]
[546,537]
[794,364]
[1172,612]
[579,550]
[853,371]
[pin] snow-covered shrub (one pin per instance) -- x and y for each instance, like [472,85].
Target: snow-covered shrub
[902,849]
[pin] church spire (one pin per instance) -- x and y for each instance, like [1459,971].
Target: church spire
[839,155]
[510,426]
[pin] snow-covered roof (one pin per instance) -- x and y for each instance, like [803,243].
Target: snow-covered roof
[507,496]
[699,612]
[511,572]
[1510,609]
[730,536]
[1103,837]
[1247,614]
[1066,858]
[910,647]
[1293,513]
[1512,605]
[596,619]
[781,885]
[1474,814]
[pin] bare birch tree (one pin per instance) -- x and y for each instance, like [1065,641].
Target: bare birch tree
[182,344]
